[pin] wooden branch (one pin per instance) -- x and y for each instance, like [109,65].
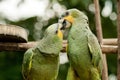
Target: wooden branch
[109,49]
[118,30]
[98,21]
[16,46]
[100,38]
[24,46]
[112,41]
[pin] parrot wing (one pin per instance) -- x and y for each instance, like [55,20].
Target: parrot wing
[27,63]
[95,50]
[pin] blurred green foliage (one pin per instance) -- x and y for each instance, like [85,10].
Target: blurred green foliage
[10,62]
[10,65]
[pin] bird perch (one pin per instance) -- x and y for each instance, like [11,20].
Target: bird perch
[118,31]
[109,46]
[100,38]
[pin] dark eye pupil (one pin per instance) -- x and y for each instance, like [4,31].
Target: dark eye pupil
[56,32]
[65,14]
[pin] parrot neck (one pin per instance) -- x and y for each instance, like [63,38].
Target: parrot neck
[50,45]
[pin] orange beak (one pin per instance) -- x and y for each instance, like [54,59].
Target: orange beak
[69,18]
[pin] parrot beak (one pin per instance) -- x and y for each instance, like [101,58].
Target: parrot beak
[66,22]
[62,24]
[69,18]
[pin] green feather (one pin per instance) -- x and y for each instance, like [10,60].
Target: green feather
[84,51]
[27,63]
[42,61]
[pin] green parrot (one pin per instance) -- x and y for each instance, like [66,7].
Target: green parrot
[83,48]
[42,61]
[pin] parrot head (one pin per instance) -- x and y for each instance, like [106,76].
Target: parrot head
[71,16]
[53,31]
[51,43]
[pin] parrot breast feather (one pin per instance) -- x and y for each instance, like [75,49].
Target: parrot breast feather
[95,51]
[27,63]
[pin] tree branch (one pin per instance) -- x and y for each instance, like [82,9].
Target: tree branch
[112,41]
[24,46]
[118,31]
[100,38]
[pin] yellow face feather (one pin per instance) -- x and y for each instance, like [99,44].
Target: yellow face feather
[69,18]
[60,34]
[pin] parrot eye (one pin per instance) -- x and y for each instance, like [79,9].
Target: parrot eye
[65,14]
[56,31]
